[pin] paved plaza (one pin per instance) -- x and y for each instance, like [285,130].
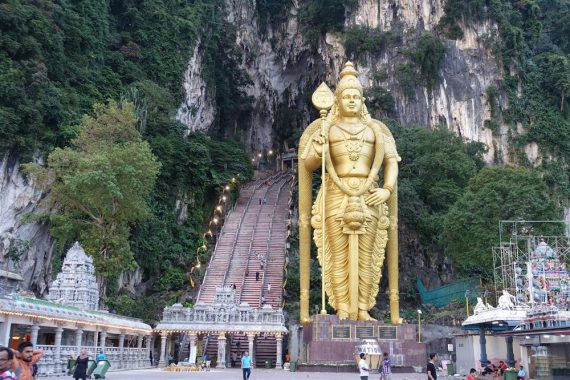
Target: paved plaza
[236,374]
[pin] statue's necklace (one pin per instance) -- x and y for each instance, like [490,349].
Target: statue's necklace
[353,144]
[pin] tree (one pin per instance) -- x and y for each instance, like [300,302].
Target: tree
[99,185]
[495,194]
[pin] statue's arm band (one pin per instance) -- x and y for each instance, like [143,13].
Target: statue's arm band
[389,188]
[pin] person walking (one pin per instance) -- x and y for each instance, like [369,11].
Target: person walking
[385,367]
[521,375]
[6,362]
[81,366]
[363,367]
[26,356]
[256,276]
[208,362]
[246,365]
[431,369]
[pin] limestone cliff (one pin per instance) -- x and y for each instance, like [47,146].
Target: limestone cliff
[26,248]
[284,70]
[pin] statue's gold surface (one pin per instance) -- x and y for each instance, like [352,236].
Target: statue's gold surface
[360,224]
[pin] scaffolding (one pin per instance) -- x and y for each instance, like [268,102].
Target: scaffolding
[518,240]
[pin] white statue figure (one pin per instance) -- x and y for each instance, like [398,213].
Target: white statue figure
[480,307]
[506,301]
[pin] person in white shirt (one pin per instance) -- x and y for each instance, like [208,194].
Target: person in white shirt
[363,367]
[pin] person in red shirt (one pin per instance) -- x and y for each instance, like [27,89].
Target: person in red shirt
[472,374]
[502,367]
[25,358]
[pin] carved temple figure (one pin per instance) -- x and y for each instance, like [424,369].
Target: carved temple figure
[360,215]
[506,301]
[480,307]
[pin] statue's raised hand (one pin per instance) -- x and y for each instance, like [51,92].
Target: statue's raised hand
[377,197]
[320,143]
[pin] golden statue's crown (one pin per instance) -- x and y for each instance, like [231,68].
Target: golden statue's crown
[348,79]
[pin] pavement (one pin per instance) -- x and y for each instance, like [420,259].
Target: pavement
[236,374]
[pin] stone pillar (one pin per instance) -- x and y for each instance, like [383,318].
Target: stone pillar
[5,328]
[96,339]
[148,346]
[510,352]
[162,361]
[78,338]
[103,340]
[193,340]
[279,358]
[250,339]
[34,335]
[139,357]
[57,353]
[221,351]
[122,363]
[483,341]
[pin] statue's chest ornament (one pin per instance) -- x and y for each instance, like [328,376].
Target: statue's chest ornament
[353,142]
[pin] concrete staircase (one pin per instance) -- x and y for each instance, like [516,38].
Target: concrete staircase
[252,241]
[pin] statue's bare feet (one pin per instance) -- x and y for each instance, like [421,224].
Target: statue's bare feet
[342,315]
[364,316]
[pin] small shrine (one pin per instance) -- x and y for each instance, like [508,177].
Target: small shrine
[76,285]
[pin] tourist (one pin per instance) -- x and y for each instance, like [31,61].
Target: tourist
[431,369]
[472,373]
[6,361]
[150,357]
[262,300]
[246,271]
[521,375]
[363,367]
[233,359]
[246,365]
[208,362]
[287,357]
[268,288]
[256,276]
[502,368]
[234,286]
[100,356]
[26,356]
[385,367]
[81,366]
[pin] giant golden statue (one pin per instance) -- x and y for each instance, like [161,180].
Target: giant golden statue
[360,218]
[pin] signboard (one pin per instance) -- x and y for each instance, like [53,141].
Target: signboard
[388,332]
[341,332]
[363,332]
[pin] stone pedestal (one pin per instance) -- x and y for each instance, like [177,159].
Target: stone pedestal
[329,340]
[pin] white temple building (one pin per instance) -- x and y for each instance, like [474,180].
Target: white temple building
[76,284]
[69,321]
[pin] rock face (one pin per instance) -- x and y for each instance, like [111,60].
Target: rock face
[285,70]
[25,248]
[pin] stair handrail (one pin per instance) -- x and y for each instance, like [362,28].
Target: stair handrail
[276,177]
[262,290]
[255,186]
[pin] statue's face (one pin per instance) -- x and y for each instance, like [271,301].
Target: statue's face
[350,102]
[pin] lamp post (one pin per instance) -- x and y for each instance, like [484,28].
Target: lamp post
[467,292]
[419,326]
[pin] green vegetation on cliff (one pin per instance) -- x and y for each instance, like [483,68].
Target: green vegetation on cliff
[59,57]
[532,47]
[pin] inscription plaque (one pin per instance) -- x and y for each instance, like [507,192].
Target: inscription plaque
[341,332]
[388,332]
[363,332]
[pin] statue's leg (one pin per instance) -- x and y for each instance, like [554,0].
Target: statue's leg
[367,269]
[338,264]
